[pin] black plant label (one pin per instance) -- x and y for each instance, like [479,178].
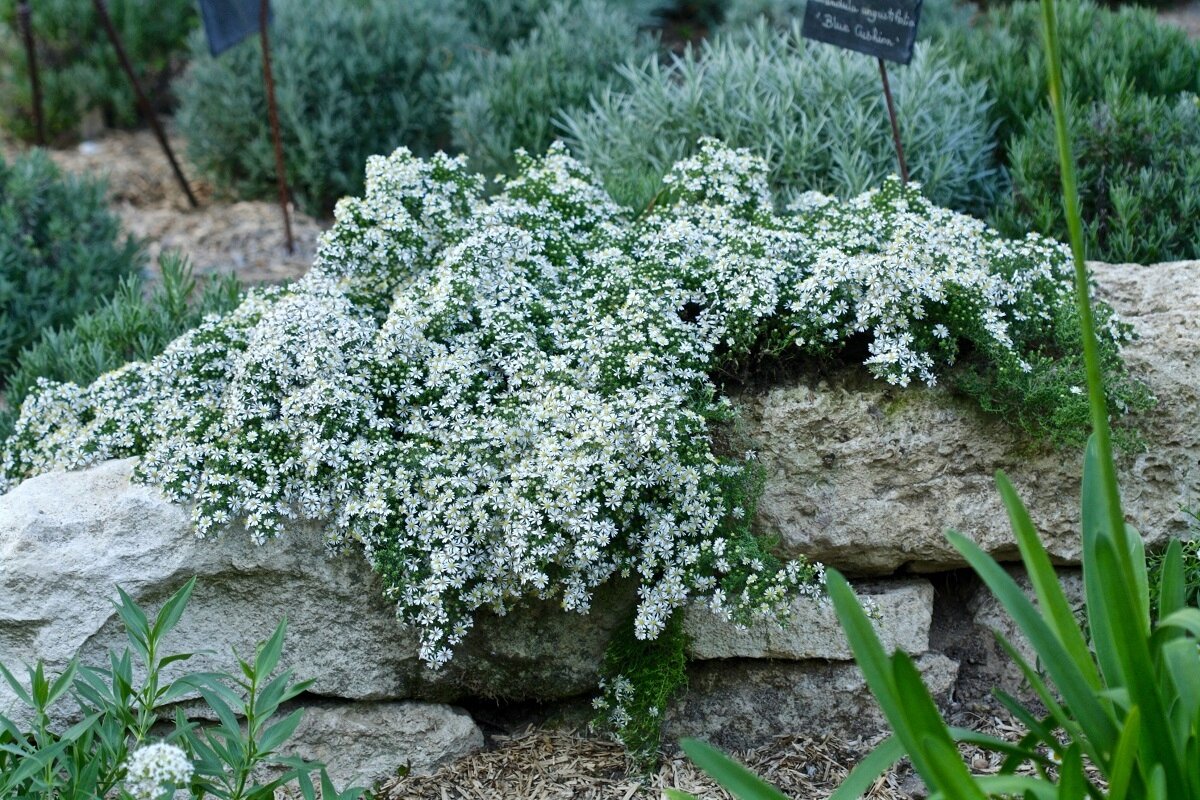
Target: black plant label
[880,28]
[227,22]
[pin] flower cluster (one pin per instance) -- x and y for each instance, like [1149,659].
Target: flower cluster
[157,769]
[506,397]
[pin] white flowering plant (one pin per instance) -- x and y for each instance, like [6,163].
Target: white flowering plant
[109,752]
[513,396]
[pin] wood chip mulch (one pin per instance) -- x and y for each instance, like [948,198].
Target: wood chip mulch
[541,764]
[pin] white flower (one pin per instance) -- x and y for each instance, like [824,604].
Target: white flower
[507,396]
[156,769]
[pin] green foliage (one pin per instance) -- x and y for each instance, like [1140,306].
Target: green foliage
[353,78]
[507,100]
[1048,401]
[936,15]
[639,679]
[78,65]
[498,23]
[1121,691]
[1139,178]
[122,703]
[129,327]
[1129,46]
[813,112]
[61,251]
[1190,552]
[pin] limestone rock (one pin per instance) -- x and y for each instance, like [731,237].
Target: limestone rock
[362,743]
[866,477]
[66,540]
[989,618]
[742,704]
[904,610]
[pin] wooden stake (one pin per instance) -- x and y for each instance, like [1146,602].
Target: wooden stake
[143,103]
[273,114]
[25,21]
[891,107]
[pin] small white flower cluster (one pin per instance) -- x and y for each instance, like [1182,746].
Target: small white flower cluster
[507,397]
[612,703]
[157,769]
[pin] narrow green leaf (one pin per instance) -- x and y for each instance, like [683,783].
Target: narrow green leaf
[732,776]
[280,732]
[268,655]
[1134,655]
[867,771]
[1053,602]
[1172,590]
[1059,665]
[948,772]
[17,687]
[1120,768]
[172,610]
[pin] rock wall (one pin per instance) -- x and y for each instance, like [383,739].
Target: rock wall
[861,476]
[867,478]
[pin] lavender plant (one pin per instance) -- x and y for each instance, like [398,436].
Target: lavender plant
[510,397]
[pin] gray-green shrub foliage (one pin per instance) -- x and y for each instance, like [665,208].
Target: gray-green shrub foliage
[61,251]
[506,101]
[130,326]
[1139,178]
[814,112]
[497,23]
[353,79]
[1004,49]
[936,15]
[78,67]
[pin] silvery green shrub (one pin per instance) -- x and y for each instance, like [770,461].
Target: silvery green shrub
[815,114]
[499,23]
[353,78]
[511,397]
[936,15]
[1128,45]
[506,101]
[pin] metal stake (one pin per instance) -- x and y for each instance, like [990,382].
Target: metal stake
[891,107]
[147,110]
[25,21]
[273,114]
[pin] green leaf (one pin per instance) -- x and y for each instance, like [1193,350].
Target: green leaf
[172,610]
[17,687]
[268,654]
[1053,602]
[1134,655]
[1059,664]
[1121,767]
[732,776]
[280,732]
[867,771]
[1172,590]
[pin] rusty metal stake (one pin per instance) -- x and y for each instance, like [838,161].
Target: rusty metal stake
[273,115]
[25,21]
[891,107]
[143,102]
